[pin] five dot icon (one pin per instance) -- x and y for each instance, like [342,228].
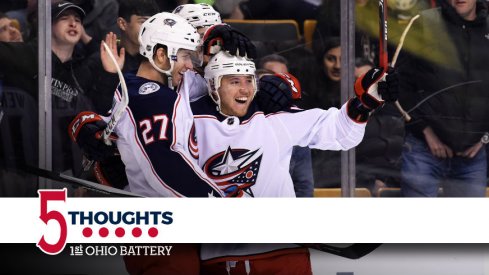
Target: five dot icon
[120,232]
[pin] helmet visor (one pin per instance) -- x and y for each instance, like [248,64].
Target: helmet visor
[197,57]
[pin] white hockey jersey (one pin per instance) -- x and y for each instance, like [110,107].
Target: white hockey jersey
[250,156]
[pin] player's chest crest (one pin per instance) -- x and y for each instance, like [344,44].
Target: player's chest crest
[234,170]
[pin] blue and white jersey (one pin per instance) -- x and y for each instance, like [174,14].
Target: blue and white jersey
[250,156]
[148,131]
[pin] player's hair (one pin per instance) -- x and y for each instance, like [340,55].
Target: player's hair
[127,8]
[330,43]
[273,58]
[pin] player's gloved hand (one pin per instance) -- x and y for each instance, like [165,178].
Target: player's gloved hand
[222,36]
[277,92]
[389,89]
[366,88]
[111,171]
[372,90]
[87,131]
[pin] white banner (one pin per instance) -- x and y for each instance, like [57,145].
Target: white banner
[277,220]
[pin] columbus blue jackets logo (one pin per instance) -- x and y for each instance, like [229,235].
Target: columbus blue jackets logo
[235,170]
[148,88]
[170,22]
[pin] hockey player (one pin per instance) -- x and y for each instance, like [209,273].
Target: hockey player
[147,130]
[243,137]
[248,153]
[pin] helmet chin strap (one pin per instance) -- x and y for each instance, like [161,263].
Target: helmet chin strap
[213,95]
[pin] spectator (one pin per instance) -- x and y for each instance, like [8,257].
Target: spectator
[324,87]
[443,141]
[275,63]
[76,83]
[100,17]
[324,92]
[300,162]
[132,14]
[8,31]
[16,10]
[366,44]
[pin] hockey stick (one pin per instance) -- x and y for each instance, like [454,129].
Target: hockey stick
[383,58]
[107,190]
[354,251]
[404,114]
[118,109]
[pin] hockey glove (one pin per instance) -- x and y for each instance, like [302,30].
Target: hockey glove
[111,172]
[87,130]
[277,92]
[224,37]
[366,88]
[389,89]
[367,95]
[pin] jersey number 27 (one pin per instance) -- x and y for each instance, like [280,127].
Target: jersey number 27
[147,126]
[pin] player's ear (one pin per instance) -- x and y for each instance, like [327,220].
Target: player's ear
[161,58]
[160,54]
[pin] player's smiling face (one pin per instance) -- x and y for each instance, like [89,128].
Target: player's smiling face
[236,93]
[183,63]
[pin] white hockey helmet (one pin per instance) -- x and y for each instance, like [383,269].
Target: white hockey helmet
[170,30]
[199,15]
[402,5]
[223,64]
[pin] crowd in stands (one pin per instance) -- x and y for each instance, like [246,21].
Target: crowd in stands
[385,158]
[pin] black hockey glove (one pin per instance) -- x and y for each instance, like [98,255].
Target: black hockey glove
[277,92]
[111,172]
[224,37]
[86,130]
[389,89]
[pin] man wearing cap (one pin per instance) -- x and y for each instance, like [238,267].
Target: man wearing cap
[77,83]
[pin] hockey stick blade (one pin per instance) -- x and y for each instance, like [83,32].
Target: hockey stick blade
[354,251]
[107,190]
